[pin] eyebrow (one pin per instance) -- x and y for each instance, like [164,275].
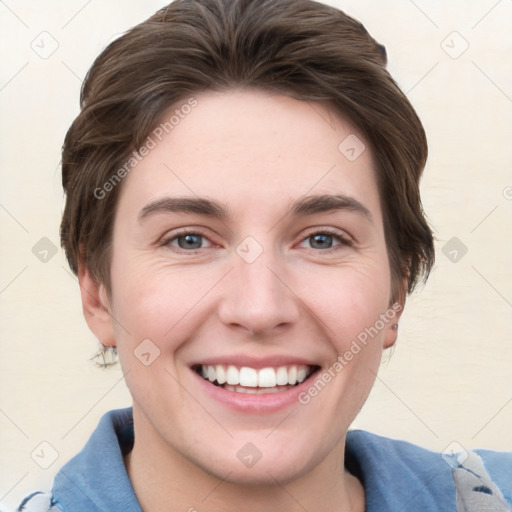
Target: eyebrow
[309,205]
[198,205]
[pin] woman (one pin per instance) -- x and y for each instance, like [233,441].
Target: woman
[244,218]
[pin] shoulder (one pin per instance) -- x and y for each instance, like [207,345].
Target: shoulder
[39,502]
[486,477]
[94,480]
[399,473]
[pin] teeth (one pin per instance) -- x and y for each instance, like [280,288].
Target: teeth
[267,378]
[232,376]
[248,377]
[292,375]
[220,373]
[281,376]
[252,378]
[255,391]
[301,374]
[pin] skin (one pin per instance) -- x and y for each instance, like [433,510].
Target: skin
[255,153]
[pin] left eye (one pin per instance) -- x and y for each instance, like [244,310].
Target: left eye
[323,241]
[190,241]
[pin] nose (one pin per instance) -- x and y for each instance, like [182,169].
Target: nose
[257,298]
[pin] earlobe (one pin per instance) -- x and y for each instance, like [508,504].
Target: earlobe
[391,334]
[395,311]
[96,307]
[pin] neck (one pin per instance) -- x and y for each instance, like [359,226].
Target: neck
[163,479]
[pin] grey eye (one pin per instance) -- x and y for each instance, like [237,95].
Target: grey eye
[321,241]
[189,241]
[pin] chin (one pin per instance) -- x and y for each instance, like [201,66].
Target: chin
[249,466]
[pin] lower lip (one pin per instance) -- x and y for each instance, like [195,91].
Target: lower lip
[254,403]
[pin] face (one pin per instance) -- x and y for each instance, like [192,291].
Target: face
[250,286]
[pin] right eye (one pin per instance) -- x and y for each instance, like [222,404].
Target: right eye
[188,241]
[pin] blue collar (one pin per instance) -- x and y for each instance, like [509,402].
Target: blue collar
[396,475]
[96,480]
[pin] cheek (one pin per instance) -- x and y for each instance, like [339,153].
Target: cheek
[351,298]
[152,300]
[151,313]
[352,308]
[353,314]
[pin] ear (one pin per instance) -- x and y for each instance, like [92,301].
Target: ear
[96,307]
[396,308]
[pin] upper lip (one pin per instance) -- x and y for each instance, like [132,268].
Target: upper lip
[254,362]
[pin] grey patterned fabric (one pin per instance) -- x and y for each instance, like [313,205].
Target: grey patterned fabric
[475,491]
[39,502]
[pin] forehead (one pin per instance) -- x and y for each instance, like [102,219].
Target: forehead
[251,146]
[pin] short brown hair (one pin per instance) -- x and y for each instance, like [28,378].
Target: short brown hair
[300,48]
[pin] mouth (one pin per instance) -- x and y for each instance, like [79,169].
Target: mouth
[250,380]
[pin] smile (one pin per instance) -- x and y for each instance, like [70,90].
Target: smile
[255,381]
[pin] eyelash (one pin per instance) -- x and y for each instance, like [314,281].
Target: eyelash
[194,232]
[343,240]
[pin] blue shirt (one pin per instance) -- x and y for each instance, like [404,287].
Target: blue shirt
[397,476]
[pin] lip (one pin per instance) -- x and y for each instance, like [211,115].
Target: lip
[254,362]
[265,403]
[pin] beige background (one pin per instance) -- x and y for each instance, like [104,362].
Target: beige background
[449,377]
